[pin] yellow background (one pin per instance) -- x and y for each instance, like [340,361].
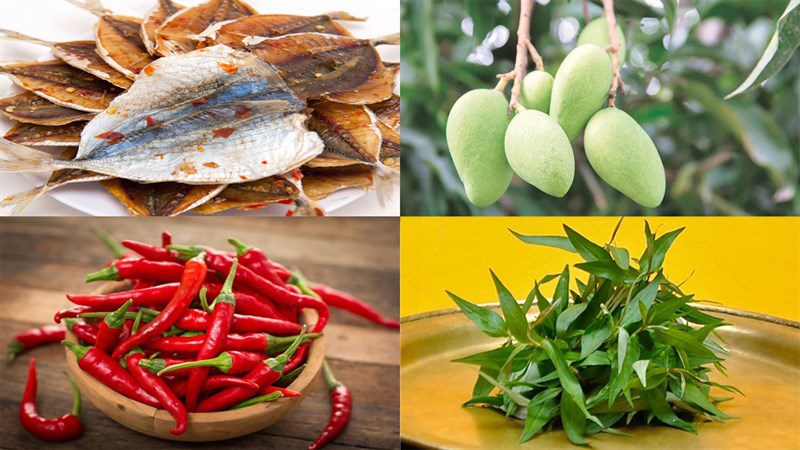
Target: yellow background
[745,263]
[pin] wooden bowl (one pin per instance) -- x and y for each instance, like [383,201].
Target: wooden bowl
[203,427]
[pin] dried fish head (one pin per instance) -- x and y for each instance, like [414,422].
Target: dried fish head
[338,68]
[62,84]
[178,33]
[159,199]
[212,116]
[232,32]
[30,108]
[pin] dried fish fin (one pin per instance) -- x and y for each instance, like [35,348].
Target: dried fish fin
[349,132]
[93,6]
[389,39]
[344,16]
[18,158]
[30,108]
[345,69]
[159,199]
[17,36]
[120,45]
[178,33]
[18,202]
[31,134]
[390,144]
[154,19]
[388,111]
[62,84]
[250,195]
[304,205]
[320,183]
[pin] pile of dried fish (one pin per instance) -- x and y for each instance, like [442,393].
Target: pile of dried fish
[207,108]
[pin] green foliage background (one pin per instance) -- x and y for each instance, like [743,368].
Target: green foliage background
[723,157]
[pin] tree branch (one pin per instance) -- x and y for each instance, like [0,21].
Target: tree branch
[524,46]
[616,78]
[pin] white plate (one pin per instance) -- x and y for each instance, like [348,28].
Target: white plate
[91,198]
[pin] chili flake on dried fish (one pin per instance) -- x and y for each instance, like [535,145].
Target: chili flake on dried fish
[32,134]
[62,84]
[79,54]
[154,19]
[30,108]
[179,33]
[119,141]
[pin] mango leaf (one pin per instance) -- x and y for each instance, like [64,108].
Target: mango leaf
[758,133]
[541,409]
[779,50]
[515,318]
[572,419]
[485,319]
[547,241]
[588,250]
[608,270]
[656,400]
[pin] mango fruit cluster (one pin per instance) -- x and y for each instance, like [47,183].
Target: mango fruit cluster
[487,148]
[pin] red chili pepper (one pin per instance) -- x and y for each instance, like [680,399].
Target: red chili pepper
[152,296]
[219,324]
[166,239]
[63,428]
[82,330]
[297,360]
[110,328]
[197,320]
[32,338]
[264,374]
[139,269]
[266,390]
[73,312]
[106,370]
[151,252]
[347,302]
[341,406]
[249,342]
[222,263]
[255,259]
[159,389]
[140,284]
[191,282]
[232,362]
[246,303]
[214,383]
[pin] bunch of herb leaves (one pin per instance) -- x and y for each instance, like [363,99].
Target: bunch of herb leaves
[627,345]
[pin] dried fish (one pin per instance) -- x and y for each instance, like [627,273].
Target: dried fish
[338,68]
[154,19]
[118,40]
[30,108]
[62,84]
[179,33]
[78,54]
[319,183]
[159,199]
[58,178]
[388,111]
[212,116]
[390,146]
[250,195]
[232,32]
[32,134]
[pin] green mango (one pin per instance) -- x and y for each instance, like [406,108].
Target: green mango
[596,32]
[536,89]
[476,129]
[540,153]
[580,88]
[624,156]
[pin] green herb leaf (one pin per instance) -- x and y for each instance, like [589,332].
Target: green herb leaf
[656,400]
[572,419]
[541,409]
[646,297]
[515,318]
[560,242]
[640,367]
[621,257]
[588,250]
[568,317]
[485,319]
[608,270]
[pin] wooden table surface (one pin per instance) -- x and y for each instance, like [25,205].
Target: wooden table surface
[42,259]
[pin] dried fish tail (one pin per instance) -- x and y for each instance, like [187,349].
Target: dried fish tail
[93,6]
[389,39]
[17,36]
[345,16]
[305,205]
[385,180]
[19,158]
[18,202]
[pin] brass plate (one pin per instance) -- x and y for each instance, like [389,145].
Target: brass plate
[764,362]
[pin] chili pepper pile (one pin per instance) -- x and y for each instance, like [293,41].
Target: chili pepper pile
[200,330]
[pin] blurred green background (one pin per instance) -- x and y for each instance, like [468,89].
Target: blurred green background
[722,157]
